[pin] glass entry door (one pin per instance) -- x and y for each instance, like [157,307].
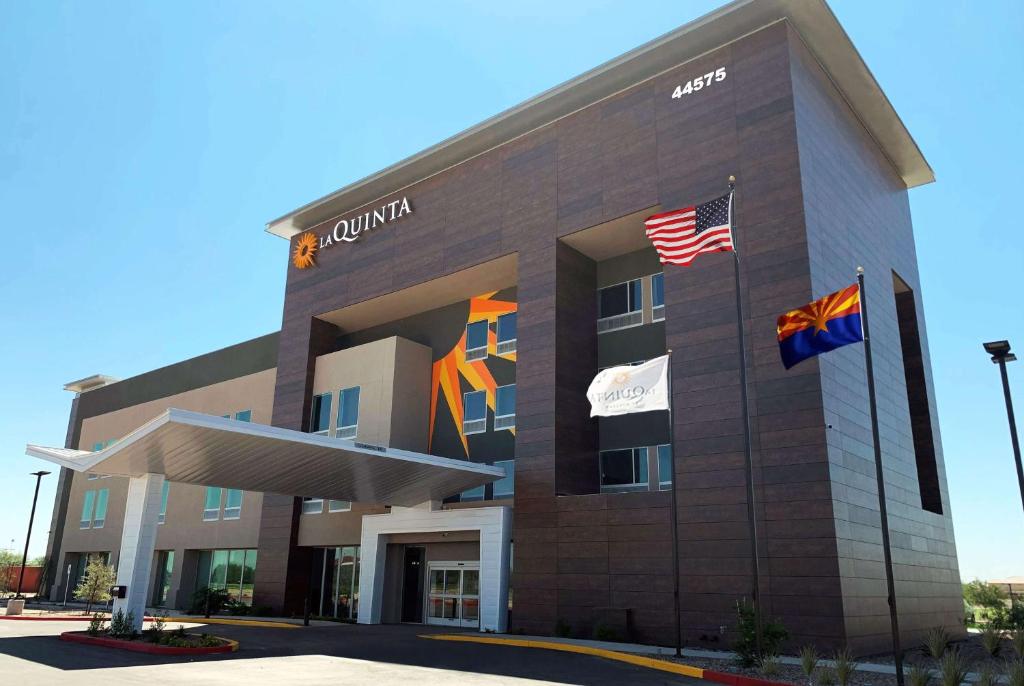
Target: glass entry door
[453,594]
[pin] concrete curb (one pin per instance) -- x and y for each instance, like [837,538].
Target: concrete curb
[630,658]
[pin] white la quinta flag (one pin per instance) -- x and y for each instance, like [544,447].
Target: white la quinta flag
[637,388]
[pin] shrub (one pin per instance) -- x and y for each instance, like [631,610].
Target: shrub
[991,639]
[773,634]
[603,632]
[919,675]
[953,668]
[936,641]
[156,632]
[845,666]
[180,631]
[208,601]
[562,628]
[208,641]
[827,677]
[121,624]
[1018,642]
[981,594]
[770,665]
[95,625]
[236,607]
[808,661]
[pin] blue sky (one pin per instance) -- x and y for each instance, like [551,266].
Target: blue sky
[145,145]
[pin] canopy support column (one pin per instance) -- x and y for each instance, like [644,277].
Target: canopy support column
[138,544]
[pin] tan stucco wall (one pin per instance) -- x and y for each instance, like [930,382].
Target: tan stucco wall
[184,527]
[394,410]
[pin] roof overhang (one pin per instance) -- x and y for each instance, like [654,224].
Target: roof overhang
[812,19]
[194,448]
[90,383]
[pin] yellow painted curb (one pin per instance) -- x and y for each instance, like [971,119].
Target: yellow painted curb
[233,622]
[233,644]
[639,660]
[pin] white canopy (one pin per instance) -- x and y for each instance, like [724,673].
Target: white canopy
[195,448]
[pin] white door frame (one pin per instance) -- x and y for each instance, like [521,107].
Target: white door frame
[495,527]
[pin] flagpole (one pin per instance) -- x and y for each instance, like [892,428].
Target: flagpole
[675,510]
[880,478]
[751,510]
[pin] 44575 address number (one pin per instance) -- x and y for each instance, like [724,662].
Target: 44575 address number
[699,83]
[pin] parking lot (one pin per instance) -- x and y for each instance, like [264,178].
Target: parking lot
[30,653]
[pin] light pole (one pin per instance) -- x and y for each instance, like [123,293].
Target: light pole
[21,577]
[1000,352]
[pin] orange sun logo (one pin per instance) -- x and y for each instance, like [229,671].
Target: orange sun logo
[305,249]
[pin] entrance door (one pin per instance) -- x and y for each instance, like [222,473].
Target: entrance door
[412,585]
[453,594]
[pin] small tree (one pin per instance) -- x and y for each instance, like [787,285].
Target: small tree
[95,585]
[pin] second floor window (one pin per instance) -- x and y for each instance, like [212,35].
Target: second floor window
[312,505]
[477,334]
[664,467]
[507,334]
[474,412]
[230,498]
[348,412]
[506,487]
[94,509]
[624,470]
[320,416]
[658,297]
[163,501]
[505,407]
[620,306]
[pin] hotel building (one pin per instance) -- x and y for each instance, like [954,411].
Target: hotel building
[415,445]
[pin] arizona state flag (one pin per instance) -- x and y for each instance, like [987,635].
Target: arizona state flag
[823,325]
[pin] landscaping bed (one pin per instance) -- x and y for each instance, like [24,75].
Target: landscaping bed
[191,644]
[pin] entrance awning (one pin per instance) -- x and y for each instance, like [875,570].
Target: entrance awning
[194,448]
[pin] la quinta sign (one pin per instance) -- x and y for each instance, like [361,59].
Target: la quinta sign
[347,231]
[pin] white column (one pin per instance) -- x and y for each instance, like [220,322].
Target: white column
[138,543]
[373,550]
[495,537]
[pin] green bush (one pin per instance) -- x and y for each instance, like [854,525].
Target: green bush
[236,607]
[845,666]
[121,625]
[770,666]
[936,641]
[987,676]
[95,625]
[991,639]
[1015,672]
[918,675]
[773,634]
[808,661]
[1018,642]
[827,677]
[208,601]
[562,628]
[603,632]
[953,668]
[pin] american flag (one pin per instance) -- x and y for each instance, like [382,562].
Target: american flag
[680,235]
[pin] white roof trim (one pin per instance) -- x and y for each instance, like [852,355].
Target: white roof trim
[195,448]
[812,19]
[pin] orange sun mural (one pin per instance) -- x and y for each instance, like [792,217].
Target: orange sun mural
[447,371]
[305,249]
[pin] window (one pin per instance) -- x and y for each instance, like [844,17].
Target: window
[244,416]
[505,407]
[917,397]
[620,306]
[312,505]
[506,486]
[658,297]
[338,505]
[88,503]
[477,493]
[320,421]
[664,467]
[232,503]
[507,334]
[348,412]
[339,583]
[229,570]
[164,492]
[100,516]
[474,412]
[476,340]
[624,470]
[96,447]
[211,510]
